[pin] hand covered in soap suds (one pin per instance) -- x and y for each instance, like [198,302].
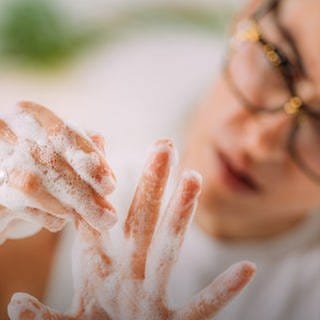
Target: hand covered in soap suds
[50,173]
[131,283]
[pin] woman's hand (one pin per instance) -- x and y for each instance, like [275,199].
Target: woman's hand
[51,173]
[132,283]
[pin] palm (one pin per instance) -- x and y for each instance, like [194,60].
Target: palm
[132,284]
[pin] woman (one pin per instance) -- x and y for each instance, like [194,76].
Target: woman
[261,175]
[255,140]
[52,173]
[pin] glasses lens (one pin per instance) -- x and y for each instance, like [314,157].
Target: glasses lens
[307,145]
[259,82]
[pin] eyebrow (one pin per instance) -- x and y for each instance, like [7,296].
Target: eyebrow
[266,7]
[283,62]
[292,43]
[272,6]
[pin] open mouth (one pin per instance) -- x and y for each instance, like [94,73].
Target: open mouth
[238,180]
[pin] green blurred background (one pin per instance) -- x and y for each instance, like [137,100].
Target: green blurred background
[45,34]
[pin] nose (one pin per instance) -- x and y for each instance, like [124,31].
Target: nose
[266,137]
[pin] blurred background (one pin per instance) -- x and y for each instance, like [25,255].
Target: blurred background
[131,70]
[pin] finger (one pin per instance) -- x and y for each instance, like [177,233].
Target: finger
[144,210]
[46,118]
[6,134]
[91,166]
[100,143]
[5,218]
[170,234]
[72,191]
[213,298]
[91,265]
[90,252]
[30,184]
[98,140]
[45,219]
[8,140]
[13,225]
[25,307]
[78,149]
[10,221]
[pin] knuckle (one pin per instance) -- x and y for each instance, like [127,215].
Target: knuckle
[31,183]
[28,182]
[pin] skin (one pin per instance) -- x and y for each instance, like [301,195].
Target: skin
[131,284]
[42,206]
[26,264]
[256,142]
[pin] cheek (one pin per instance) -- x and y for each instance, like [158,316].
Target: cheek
[221,113]
[298,192]
[309,195]
[218,120]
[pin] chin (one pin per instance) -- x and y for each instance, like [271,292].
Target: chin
[219,202]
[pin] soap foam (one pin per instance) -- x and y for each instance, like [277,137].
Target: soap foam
[19,157]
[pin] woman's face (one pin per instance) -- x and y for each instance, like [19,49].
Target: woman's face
[243,156]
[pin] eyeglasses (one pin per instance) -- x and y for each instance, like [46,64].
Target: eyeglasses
[257,66]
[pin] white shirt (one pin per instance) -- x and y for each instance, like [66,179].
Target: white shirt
[287,283]
[286,286]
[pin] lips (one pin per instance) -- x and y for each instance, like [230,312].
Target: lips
[235,178]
